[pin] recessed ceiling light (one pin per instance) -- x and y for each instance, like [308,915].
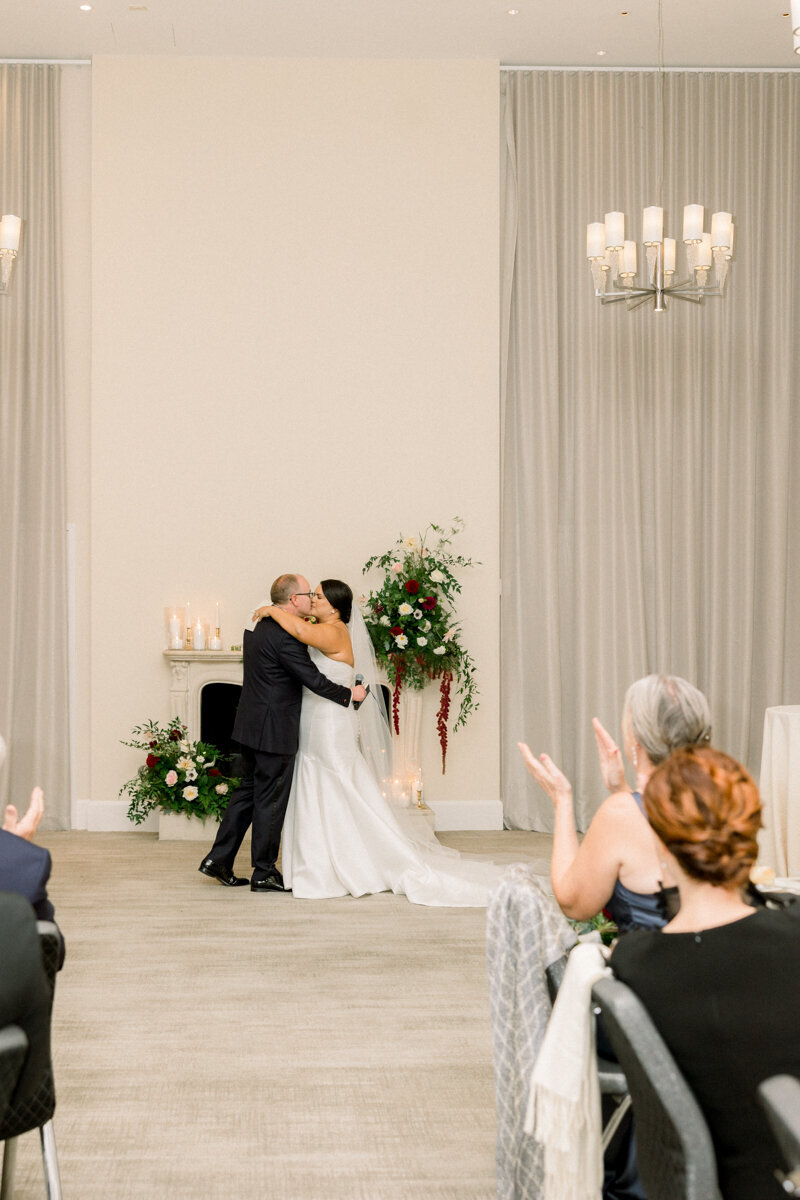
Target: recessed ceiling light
[513,12]
[85,7]
[600,53]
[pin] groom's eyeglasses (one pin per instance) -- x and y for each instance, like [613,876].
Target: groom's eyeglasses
[311,594]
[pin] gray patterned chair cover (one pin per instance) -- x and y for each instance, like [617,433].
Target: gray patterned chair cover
[525,933]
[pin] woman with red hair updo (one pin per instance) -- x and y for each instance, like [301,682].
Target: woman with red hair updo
[721,980]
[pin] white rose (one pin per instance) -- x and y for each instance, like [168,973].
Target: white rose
[422,641]
[440,650]
[405,609]
[401,640]
[417,613]
[397,567]
[190,793]
[426,627]
[191,775]
[437,577]
[221,789]
[201,758]
[184,764]
[410,543]
[384,620]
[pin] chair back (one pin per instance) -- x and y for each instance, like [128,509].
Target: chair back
[675,1153]
[780,1099]
[13,1048]
[50,943]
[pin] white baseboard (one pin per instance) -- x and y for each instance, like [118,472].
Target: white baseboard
[467,814]
[108,816]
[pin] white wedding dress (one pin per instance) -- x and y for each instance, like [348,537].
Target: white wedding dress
[341,837]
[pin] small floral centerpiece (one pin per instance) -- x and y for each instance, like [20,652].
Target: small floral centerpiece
[177,776]
[413,626]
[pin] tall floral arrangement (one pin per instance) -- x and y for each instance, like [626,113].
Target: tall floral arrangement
[412,623]
[176,775]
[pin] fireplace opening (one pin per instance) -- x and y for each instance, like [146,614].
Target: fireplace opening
[218,703]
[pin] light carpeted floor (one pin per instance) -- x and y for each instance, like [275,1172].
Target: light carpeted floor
[209,1042]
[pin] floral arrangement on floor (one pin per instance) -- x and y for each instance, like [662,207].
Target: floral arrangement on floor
[413,626]
[177,776]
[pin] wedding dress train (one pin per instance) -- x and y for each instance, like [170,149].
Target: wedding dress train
[342,837]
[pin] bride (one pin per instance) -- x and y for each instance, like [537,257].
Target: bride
[341,835]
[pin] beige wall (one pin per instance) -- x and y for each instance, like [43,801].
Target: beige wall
[294,353]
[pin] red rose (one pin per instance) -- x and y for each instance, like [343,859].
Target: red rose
[378,608]
[395,630]
[214,771]
[429,603]
[412,587]
[152,759]
[153,745]
[175,735]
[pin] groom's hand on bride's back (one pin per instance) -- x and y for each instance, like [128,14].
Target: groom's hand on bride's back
[359,693]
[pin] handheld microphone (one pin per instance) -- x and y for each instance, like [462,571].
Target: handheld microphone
[357,703]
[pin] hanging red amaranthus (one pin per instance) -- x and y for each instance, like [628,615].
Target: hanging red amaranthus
[399,663]
[444,712]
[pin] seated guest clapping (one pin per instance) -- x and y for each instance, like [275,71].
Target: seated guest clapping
[616,866]
[24,867]
[721,981]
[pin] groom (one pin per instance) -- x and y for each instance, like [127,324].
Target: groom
[276,666]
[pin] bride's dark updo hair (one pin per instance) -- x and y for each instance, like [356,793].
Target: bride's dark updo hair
[706,809]
[338,595]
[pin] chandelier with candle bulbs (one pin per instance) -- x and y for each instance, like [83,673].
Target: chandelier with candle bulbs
[10,227]
[613,259]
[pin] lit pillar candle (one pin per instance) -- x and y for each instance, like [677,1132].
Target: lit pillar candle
[216,617]
[693,222]
[595,240]
[615,230]
[199,636]
[652,225]
[721,225]
[10,227]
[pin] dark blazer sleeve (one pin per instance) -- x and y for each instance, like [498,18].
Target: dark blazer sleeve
[25,869]
[294,657]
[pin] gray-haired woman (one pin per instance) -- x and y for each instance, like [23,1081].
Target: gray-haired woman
[616,866]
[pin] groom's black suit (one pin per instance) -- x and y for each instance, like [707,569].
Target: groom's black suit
[276,666]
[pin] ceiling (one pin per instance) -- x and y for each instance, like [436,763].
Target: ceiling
[697,33]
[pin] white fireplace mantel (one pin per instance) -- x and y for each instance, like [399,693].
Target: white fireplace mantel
[190,671]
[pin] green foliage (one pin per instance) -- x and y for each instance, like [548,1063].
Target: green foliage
[603,924]
[177,776]
[411,616]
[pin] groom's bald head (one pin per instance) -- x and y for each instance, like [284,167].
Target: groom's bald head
[283,589]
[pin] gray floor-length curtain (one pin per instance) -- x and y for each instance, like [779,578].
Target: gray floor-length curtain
[33,591]
[651,462]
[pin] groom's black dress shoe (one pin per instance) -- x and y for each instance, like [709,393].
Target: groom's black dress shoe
[223,874]
[271,883]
